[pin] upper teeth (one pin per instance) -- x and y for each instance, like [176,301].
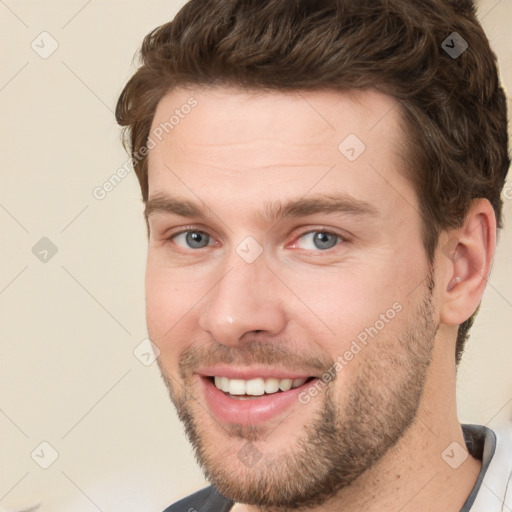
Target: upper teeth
[257,386]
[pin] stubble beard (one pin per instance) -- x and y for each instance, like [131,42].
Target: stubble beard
[337,446]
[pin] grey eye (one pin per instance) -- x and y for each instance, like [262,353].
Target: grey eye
[319,240]
[324,240]
[193,239]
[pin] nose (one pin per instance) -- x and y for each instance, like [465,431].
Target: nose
[247,297]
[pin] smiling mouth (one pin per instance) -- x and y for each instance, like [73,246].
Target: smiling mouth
[241,389]
[254,400]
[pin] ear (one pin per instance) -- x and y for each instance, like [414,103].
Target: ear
[465,259]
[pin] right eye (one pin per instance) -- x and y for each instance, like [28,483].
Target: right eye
[191,239]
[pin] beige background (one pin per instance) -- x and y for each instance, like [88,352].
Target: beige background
[69,326]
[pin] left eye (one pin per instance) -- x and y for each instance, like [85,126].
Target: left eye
[320,240]
[193,239]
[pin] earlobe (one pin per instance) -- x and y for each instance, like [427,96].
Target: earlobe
[467,259]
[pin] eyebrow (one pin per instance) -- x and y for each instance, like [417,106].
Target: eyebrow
[272,211]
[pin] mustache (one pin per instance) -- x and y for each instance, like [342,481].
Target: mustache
[262,353]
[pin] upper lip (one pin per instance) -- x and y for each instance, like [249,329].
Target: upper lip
[251,373]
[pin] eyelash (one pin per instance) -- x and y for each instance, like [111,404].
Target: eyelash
[191,229]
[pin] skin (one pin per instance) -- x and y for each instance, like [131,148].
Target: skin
[297,303]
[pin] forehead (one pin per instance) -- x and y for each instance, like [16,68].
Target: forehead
[228,114]
[248,140]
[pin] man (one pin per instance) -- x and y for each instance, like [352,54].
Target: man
[322,191]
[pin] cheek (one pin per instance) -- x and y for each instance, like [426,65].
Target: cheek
[164,309]
[363,303]
[167,303]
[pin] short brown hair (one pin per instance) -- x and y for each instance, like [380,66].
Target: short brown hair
[453,105]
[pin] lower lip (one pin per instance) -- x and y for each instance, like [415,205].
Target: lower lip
[252,410]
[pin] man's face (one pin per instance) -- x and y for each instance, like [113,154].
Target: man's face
[307,270]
